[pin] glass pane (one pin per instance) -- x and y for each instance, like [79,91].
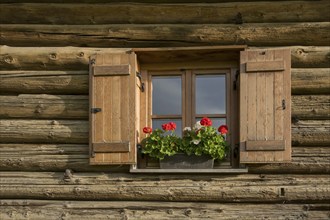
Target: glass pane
[210,94]
[166,95]
[216,122]
[157,123]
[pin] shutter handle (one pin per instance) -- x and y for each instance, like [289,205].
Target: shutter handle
[96,110]
[140,78]
[283,104]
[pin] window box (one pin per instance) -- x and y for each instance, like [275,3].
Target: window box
[183,161]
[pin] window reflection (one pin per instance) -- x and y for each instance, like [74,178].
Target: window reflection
[210,94]
[166,95]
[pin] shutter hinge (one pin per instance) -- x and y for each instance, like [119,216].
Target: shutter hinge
[95,110]
[138,74]
[93,154]
[236,80]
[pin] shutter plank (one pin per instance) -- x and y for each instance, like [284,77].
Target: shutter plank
[265,145]
[265,66]
[264,125]
[112,70]
[111,147]
[114,129]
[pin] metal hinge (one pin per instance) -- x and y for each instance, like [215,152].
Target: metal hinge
[138,74]
[95,110]
[236,80]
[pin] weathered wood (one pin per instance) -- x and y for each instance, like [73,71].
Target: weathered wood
[77,58]
[310,57]
[311,81]
[49,58]
[43,131]
[311,132]
[44,106]
[143,1]
[51,82]
[102,186]
[311,106]
[304,132]
[76,106]
[304,81]
[49,209]
[224,13]
[123,35]
[51,157]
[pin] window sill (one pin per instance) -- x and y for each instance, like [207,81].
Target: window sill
[133,169]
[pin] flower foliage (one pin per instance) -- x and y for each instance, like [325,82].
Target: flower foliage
[160,144]
[202,139]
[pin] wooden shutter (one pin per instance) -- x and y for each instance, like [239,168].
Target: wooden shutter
[265,106]
[113,109]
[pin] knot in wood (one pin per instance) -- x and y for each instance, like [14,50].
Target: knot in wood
[9,59]
[81,54]
[188,212]
[53,56]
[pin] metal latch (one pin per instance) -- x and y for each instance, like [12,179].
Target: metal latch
[236,80]
[95,110]
[283,104]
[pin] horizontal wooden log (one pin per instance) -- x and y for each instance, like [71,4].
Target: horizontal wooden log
[310,81]
[51,157]
[51,82]
[124,35]
[44,131]
[310,106]
[77,58]
[181,188]
[36,157]
[304,81]
[220,13]
[311,132]
[304,132]
[99,210]
[44,106]
[76,107]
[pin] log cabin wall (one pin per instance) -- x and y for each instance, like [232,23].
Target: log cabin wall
[44,162]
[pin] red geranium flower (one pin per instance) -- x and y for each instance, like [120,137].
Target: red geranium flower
[169,126]
[173,125]
[206,121]
[147,130]
[223,129]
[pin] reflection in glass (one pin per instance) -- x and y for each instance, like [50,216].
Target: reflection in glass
[166,95]
[216,122]
[157,123]
[210,94]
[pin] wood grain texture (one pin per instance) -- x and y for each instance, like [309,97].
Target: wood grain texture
[206,188]
[77,58]
[311,132]
[43,131]
[304,81]
[261,120]
[310,81]
[311,107]
[99,210]
[44,106]
[124,35]
[128,13]
[58,157]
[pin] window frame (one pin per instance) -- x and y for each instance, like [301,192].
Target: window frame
[188,92]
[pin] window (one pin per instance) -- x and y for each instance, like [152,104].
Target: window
[188,95]
[247,90]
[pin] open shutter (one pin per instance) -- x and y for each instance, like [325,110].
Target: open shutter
[265,106]
[113,109]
